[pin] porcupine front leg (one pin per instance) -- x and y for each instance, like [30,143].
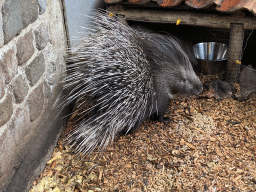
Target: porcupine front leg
[162,107]
[163,97]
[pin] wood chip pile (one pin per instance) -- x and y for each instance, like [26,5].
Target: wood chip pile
[209,145]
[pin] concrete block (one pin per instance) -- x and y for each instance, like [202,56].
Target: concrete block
[17,15]
[25,48]
[20,88]
[39,151]
[6,110]
[42,36]
[10,64]
[20,126]
[36,102]
[7,167]
[13,145]
[28,138]
[35,69]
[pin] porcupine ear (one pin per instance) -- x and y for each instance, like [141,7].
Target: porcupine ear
[111,75]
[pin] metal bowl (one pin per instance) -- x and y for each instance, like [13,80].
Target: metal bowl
[211,51]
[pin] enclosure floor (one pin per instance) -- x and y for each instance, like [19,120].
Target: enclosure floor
[209,145]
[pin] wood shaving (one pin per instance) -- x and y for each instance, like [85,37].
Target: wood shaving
[212,150]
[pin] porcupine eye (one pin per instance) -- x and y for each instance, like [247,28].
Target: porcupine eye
[186,87]
[183,81]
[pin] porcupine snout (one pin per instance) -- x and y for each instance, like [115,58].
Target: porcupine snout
[194,86]
[182,79]
[188,86]
[198,88]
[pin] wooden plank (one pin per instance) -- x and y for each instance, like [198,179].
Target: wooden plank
[186,17]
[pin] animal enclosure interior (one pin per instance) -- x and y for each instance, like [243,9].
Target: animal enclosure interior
[209,144]
[197,34]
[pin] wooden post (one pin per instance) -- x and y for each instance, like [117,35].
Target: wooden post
[235,51]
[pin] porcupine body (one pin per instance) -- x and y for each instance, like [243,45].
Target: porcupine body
[124,75]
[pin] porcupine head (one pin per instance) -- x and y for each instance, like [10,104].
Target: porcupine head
[171,69]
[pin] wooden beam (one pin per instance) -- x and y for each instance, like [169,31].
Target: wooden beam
[186,17]
[235,51]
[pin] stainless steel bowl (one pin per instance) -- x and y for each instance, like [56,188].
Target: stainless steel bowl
[211,51]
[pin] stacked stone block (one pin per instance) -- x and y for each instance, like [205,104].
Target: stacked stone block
[32,62]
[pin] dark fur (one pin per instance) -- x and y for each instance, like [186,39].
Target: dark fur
[125,75]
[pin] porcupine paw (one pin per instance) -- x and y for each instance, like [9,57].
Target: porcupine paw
[166,119]
[160,118]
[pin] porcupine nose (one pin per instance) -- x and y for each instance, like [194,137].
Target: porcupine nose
[198,88]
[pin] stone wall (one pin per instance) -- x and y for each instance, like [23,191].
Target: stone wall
[33,45]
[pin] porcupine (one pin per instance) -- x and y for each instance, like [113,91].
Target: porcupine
[124,75]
